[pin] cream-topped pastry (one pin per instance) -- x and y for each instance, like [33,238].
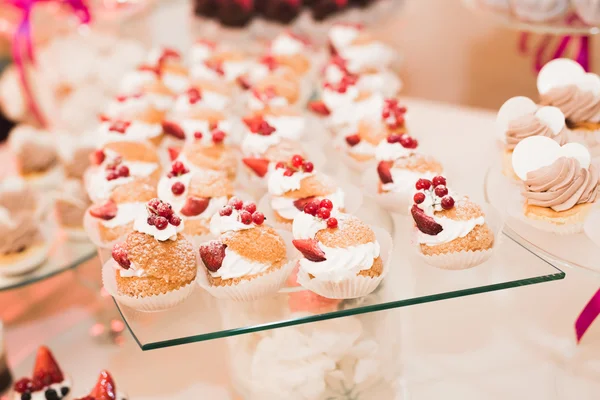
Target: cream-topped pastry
[196,197]
[217,63]
[155,258]
[202,126]
[278,89]
[130,131]
[119,163]
[105,389]
[563,83]
[246,248]
[400,165]
[293,52]
[361,142]
[47,382]
[138,106]
[113,218]
[339,250]
[444,225]
[197,99]
[360,50]
[288,122]
[295,183]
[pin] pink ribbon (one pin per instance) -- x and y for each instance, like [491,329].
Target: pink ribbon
[541,50]
[587,316]
[22,44]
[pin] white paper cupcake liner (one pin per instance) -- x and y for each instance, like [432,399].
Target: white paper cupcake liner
[354,286]
[255,288]
[154,303]
[468,258]
[399,203]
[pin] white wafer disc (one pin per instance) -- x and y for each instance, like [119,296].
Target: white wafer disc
[552,117]
[559,72]
[512,109]
[589,82]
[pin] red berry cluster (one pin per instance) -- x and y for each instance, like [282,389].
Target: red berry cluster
[115,169]
[437,187]
[258,125]
[177,169]
[344,83]
[161,214]
[247,211]
[296,164]
[39,382]
[119,126]
[194,95]
[270,62]
[321,209]
[393,113]
[408,142]
[119,254]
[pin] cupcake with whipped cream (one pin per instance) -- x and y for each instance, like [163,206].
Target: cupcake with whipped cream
[342,257]
[155,267]
[199,126]
[139,130]
[295,183]
[449,233]
[560,184]
[294,52]
[384,82]
[36,155]
[563,83]
[249,259]
[359,48]
[108,221]
[288,122]
[399,166]
[278,89]
[263,147]
[105,389]
[195,197]
[119,163]
[520,118]
[360,143]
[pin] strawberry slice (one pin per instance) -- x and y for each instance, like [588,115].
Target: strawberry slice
[194,206]
[173,129]
[309,249]
[105,211]
[105,388]
[318,107]
[97,157]
[212,254]
[103,118]
[46,369]
[424,222]
[174,152]
[244,82]
[300,203]
[353,140]
[384,171]
[260,166]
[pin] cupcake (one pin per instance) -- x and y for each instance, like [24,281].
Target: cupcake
[196,197]
[37,157]
[361,143]
[564,84]
[201,98]
[399,167]
[105,389]
[249,259]
[539,10]
[69,206]
[47,382]
[210,152]
[359,49]
[263,147]
[450,234]
[520,118]
[110,220]
[294,52]
[118,163]
[155,267]
[382,81]
[200,125]
[294,183]
[275,90]
[288,122]
[560,184]
[341,254]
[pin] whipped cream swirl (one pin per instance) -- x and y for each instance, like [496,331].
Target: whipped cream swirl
[236,266]
[529,125]
[452,230]
[576,104]
[256,144]
[220,224]
[279,184]
[562,185]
